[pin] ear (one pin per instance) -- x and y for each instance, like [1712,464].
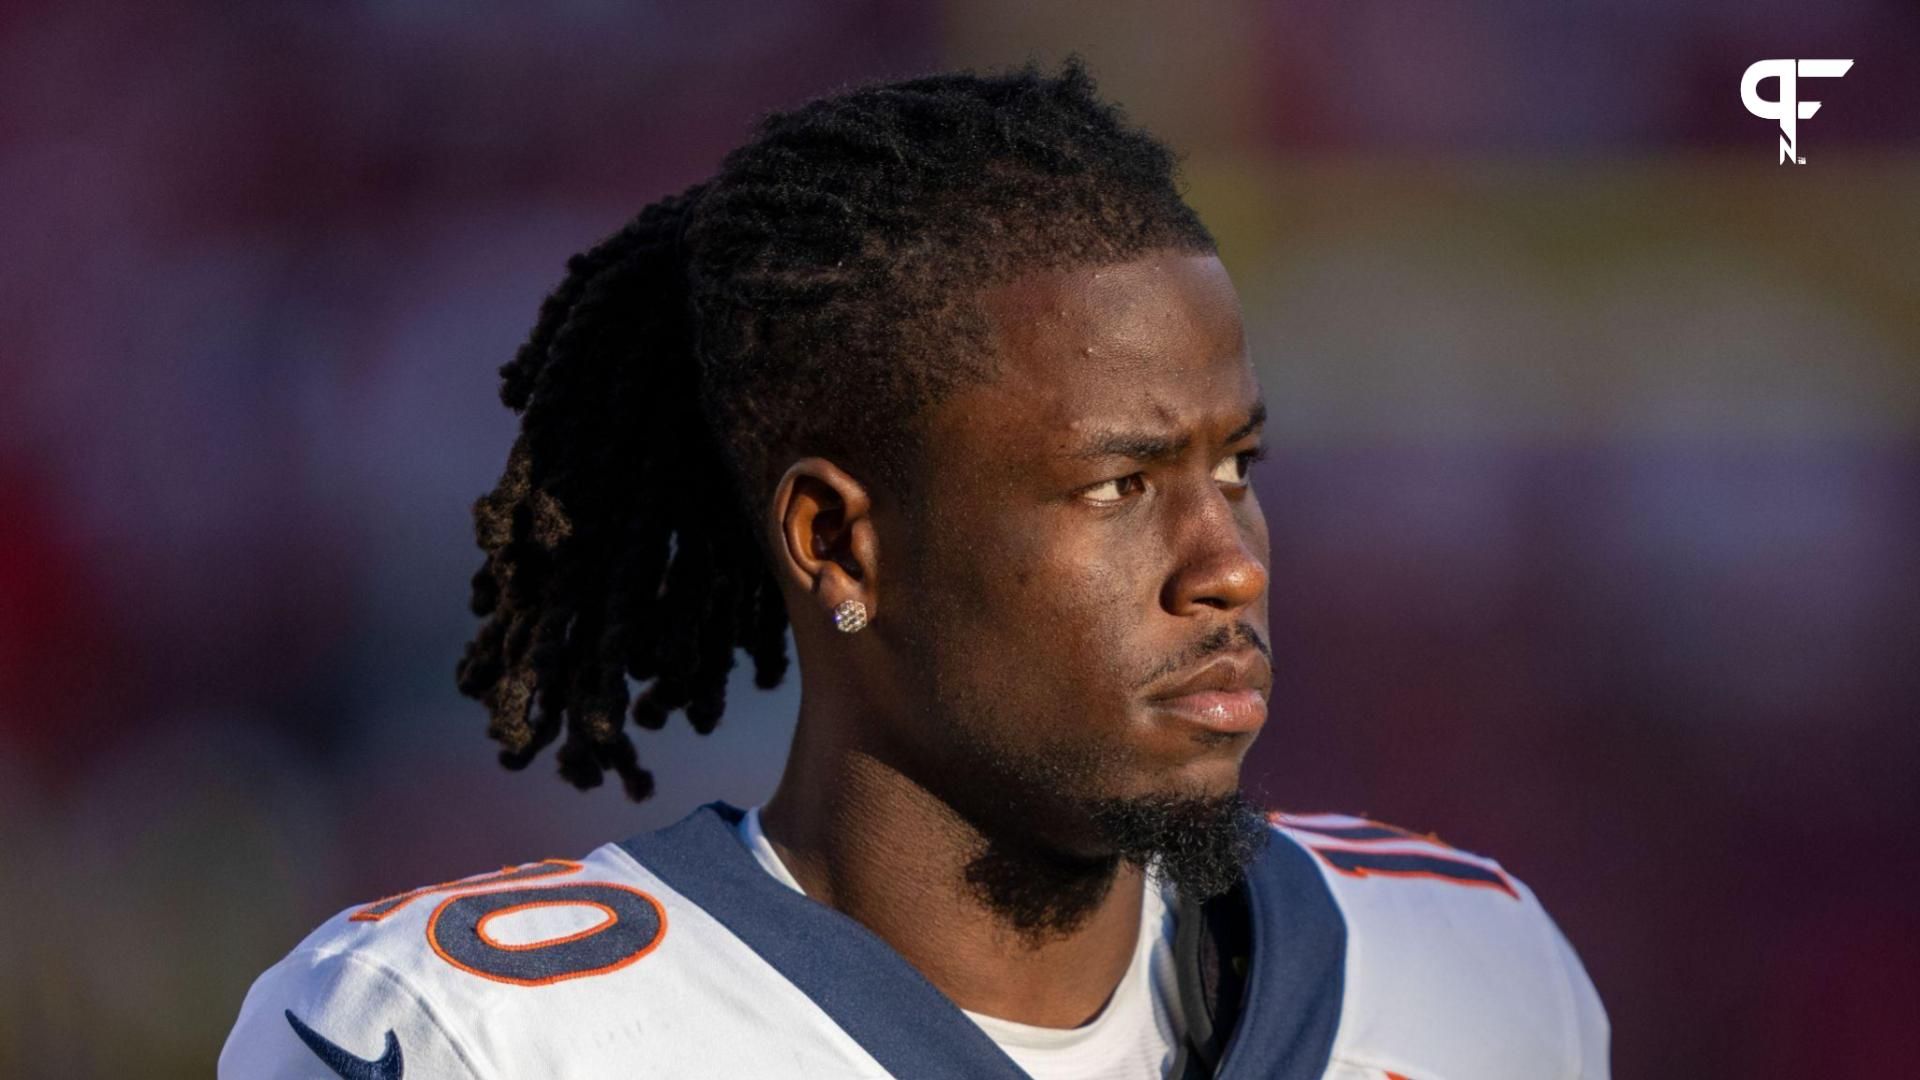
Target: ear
[826,542]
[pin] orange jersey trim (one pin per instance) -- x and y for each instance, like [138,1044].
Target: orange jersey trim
[545,868]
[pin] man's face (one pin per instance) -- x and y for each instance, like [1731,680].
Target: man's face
[1084,591]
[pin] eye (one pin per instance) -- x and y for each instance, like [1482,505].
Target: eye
[1233,471]
[1113,492]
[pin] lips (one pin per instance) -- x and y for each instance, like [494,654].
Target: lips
[1228,694]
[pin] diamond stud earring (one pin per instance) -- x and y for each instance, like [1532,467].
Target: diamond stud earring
[849,616]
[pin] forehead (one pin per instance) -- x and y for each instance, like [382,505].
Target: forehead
[1155,344]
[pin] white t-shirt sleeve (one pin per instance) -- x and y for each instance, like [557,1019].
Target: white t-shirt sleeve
[321,1016]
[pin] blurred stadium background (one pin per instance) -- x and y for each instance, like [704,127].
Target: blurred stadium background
[1596,493]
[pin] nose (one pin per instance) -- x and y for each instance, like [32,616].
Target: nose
[1224,566]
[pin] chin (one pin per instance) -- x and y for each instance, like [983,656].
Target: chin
[1196,839]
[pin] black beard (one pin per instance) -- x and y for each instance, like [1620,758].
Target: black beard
[1199,844]
[1041,894]
[1050,835]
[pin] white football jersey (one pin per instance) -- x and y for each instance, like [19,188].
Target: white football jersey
[1376,954]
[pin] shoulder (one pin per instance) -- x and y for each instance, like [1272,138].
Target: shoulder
[1449,961]
[560,968]
[418,972]
[1352,850]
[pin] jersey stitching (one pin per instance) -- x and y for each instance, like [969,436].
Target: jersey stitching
[427,1005]
[1390,1068]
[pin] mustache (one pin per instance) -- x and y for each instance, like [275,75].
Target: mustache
[1219,639]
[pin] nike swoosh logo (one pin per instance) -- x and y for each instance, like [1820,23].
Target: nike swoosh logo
[387,1066]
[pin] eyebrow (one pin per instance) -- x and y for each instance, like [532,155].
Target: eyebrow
[1144,446]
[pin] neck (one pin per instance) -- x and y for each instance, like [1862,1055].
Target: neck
[863,838]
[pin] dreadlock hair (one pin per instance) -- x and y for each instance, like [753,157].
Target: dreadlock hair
[816,296]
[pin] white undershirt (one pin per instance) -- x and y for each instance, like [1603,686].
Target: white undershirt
[1134,1036]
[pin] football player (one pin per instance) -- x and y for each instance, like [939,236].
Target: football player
[946,376]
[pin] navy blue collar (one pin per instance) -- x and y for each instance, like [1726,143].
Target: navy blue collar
[1285,1031]
[858,980]
[1291,1010]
